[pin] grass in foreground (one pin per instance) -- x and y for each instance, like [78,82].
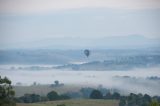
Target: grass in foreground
[76,102]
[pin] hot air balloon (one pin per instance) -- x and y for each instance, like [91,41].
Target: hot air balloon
[87,52]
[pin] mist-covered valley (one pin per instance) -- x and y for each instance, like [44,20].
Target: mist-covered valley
[136,71]
[137,80]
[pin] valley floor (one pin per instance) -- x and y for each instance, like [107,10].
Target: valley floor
[75,102]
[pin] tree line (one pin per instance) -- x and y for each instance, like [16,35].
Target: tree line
[7,96]
[130,100]
[33,98]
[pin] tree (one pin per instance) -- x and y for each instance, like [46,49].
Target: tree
[96,94]
[146,100]
[122,102]
[63,97]
[6,92]
[116,95]
[86,92]
[52,95]
[35,98]
[108,95]
[131,99]
[56,82]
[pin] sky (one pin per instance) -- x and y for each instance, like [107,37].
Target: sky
[31,23]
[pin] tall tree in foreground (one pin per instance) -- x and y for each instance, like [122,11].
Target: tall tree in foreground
[6,92]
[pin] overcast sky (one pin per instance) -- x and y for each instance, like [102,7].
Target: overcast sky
[25,21]
[39,6]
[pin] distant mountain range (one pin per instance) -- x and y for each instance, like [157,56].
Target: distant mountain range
[110,42]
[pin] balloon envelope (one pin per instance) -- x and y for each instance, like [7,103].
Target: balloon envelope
[87,52]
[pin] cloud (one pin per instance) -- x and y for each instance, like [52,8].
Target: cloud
[42,6]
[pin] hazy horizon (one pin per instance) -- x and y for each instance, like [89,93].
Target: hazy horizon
[83,24]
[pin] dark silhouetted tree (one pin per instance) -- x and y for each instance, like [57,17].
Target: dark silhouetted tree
[116,95]
[6,92]
[52,95]
[56,82]
[122,102]
[96,94]
[108,95]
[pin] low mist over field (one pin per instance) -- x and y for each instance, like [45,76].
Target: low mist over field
[137,80]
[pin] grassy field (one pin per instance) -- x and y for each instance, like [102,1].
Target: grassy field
[76,102]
